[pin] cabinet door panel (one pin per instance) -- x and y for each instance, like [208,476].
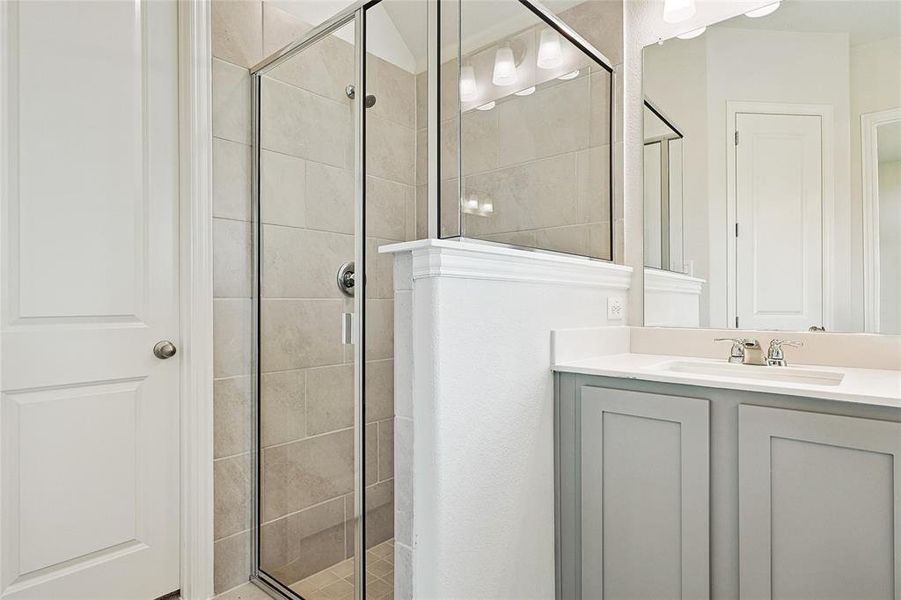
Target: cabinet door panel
[644,495]
[818,506]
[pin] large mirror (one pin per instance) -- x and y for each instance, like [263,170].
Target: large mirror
[772,170]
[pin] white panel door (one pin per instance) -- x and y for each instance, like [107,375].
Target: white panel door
[819,506]
[645,484]
[89,461]
[779,211]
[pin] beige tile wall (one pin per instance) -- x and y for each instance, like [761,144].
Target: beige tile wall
[544,158]
[307,382]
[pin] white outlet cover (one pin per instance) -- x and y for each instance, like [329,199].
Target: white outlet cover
[615,309]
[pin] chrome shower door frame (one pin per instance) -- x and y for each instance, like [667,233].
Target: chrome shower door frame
[356,14]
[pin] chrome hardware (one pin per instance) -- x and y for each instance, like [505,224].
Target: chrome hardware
[774,355]
[744,351]
[345,278]
[347,328]
[164,349]
[350,91]
[816,328]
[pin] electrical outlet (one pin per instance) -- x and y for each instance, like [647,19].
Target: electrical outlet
[615,309]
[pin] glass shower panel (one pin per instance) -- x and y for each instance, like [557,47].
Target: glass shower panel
[306,373]
[395,117]
[534,149]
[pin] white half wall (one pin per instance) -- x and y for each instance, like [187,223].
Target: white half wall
[671,299]
[474,460]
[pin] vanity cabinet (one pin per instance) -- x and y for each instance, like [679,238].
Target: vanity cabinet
[678,491]
[819,511]
[645,485]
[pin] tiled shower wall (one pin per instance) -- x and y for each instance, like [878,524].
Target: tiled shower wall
[307,384]
[543,159]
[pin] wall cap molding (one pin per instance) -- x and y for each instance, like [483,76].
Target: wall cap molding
[466,259]
[656,280]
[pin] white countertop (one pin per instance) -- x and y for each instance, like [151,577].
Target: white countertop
[862,386]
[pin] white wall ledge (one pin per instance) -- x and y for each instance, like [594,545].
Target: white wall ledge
[474,260]
[657,280]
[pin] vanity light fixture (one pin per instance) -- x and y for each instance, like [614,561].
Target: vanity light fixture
[469,91]
[486,207]
[504,67]
[486,106]
[550,54]
[676,11]
[526,92]
[570,75]
[764,10]
[471,203]
[690,35]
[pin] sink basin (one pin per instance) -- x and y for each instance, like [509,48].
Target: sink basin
[805,375]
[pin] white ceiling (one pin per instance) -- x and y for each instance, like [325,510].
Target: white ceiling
[398,28]
[864,20]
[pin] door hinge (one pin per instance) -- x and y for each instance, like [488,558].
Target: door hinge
[736,322]
[736,138]
[736,230]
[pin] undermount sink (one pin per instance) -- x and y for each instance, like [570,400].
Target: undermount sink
[804,375]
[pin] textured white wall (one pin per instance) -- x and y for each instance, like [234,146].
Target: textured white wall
[482,413]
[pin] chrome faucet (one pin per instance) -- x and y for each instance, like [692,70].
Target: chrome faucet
[774,355]
[744,351]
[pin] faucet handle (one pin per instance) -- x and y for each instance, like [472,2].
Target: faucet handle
[774,356]
[737,353]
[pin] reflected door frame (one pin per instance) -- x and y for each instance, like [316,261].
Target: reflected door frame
[869,152]
[825,112]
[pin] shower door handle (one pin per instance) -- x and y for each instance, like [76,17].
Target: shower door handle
[347,328]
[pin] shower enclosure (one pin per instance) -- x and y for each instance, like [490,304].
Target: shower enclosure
[345,121]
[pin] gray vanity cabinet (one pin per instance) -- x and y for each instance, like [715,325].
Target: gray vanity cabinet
[644,490]
[819,510]
[676,491]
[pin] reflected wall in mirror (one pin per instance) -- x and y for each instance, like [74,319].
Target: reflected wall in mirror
[790,187]
[529,128]
[662,192]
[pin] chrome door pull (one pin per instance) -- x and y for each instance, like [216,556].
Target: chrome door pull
[164,349]
[347,328]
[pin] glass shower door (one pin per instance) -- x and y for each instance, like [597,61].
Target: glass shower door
[308,419]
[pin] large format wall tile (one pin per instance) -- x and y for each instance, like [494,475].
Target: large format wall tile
[231,259]
[297,122]
[231,416]
[302,263]
[394,89]
[231,180]
[550,121]
[231,562]
[282,189]
[238,31]
[330,404]
[329,198]
[325,68]
[231,481]
[283,407]
[231,102]
[300,474]
[390,150]
[300,333]
[231,336]
[385,206]
[541,194]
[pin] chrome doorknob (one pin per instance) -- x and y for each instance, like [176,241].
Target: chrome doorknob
[164,349]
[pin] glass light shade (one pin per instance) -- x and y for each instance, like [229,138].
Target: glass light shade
[689,35]
[471,203]
[469,91]
[676,11]
[550,54]
[526,92]
[763,11]
[486,106]
[504,67]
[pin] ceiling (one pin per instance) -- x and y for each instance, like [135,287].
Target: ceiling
[864,21]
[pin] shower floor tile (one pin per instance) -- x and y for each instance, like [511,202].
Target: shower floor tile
[336,582]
